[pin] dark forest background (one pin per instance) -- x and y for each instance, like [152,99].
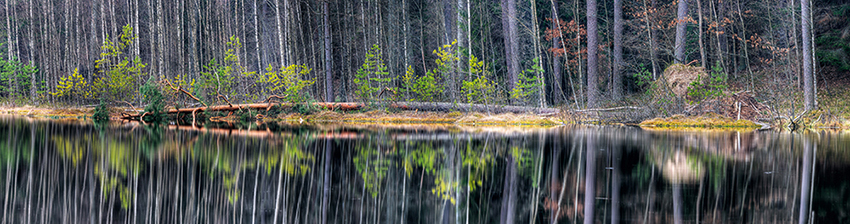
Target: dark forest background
[758,43]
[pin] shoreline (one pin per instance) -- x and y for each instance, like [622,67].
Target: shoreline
[675,122]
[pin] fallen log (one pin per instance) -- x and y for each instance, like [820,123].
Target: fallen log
[445,107]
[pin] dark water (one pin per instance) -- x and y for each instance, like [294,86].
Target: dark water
[72,172]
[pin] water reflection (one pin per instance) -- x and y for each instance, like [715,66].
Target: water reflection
[74,172]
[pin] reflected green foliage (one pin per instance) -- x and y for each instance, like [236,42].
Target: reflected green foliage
[371,166]
[478,159]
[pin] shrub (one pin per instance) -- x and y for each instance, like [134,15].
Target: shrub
[288,82]
[156,104]
[372,75]
[219,78]
[480,89]
[101,112]
[15,77]
[117,73]
[527,83]
[714,86]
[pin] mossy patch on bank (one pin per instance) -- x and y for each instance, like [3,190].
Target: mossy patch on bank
[704,121]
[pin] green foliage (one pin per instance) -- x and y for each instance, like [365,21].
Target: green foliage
[117,73]
[15,77]
[156,104]
[481,89]
[643,77]
[714,86]
[73,86]
[220,78]
[101,112]
[288,82]
[527,83]
[372,75]
[424,88]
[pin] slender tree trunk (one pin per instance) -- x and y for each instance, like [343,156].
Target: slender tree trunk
[9,44]
[617,81]
[681,25]
[556,58]
[329,94]
[651,33]
[808,77]
[280,33]
[592,57]
[702,57]
[541,98]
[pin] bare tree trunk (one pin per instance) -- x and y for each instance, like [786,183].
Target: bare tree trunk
[556,59]
[681,24]
[651,34]
[9,43]
[541,98]
[699,31]
[808,77]
[329,94]
[617,82]
[280,33]
[592,57]
[509,17]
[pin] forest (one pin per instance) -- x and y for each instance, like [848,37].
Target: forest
[529,53]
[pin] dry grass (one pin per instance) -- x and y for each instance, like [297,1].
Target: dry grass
[680,76]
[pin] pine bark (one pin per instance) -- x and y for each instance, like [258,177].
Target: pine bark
[808,76]
[617,81]
[681,25]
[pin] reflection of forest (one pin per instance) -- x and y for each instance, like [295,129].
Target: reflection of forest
[53,171]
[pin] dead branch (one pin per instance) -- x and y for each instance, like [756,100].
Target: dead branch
[180,89]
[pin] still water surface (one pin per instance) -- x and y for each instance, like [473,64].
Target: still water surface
[57,171]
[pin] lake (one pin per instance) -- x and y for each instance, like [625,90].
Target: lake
[70,171]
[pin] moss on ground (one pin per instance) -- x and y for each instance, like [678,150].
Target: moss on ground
[705,121]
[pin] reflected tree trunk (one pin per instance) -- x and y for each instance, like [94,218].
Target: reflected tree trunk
[615,186]
[553,191]
[805,182]
[327,181]
[677,203]
[590,180]
[509,192]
